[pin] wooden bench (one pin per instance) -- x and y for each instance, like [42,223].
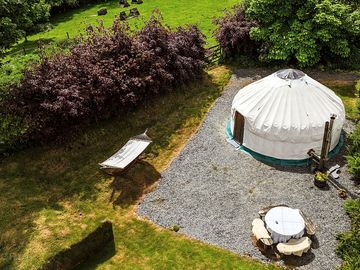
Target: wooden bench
[309,225]
[263,212]
[260,232]
[295,246]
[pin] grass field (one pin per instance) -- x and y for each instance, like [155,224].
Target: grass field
[53,196]
[349,98]
[175,13]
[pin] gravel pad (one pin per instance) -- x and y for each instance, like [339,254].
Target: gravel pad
[213,192]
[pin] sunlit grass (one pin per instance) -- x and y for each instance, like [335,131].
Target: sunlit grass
[175,13]
[346,91]
[53,196]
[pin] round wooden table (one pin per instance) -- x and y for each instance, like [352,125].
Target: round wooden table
[284,223]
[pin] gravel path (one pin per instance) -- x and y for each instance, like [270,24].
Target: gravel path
[213,192]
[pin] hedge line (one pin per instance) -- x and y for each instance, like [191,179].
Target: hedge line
[106,72]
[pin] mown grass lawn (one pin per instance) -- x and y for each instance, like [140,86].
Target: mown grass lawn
[349,242]
[175,13]
[347,93]
[52,196]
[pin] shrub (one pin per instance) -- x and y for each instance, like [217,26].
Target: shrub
[233,33]
[357,94]
[353,158]
[354,146]
[320,176]
[357,89]
[175,228]
[305,32]
[354,165]
[349,242]
[108,71]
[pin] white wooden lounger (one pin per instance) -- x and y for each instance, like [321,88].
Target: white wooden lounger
[126,155]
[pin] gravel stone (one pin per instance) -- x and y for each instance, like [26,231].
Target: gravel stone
[213,192]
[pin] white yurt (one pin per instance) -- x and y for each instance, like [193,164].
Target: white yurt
[283,115]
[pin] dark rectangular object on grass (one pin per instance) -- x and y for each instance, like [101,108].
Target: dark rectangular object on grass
[85,249]
[124,3]
[134,12]
[123,16]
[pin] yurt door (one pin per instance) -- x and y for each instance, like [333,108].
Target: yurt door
[239,127]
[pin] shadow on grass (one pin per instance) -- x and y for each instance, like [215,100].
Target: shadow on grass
[69,15]
[345,89]
[35,182]
[129,187]
[28,47]
[107,253]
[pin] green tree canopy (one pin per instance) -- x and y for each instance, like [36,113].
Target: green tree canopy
[18,18]
[304,30]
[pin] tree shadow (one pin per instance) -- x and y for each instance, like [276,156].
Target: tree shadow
[30,46]
[131,185]
[346,89]
[36,181]
[107,253]
[69,14]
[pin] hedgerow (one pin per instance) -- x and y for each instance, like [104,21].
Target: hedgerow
[107,71]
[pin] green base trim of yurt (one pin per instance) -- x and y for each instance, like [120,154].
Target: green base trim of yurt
[276,161]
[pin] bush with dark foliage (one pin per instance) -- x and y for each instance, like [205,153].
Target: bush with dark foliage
[233,33]
[107,71]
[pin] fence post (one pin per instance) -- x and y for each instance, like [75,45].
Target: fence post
[67,33]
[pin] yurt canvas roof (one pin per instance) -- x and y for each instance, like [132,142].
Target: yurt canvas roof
[287,109]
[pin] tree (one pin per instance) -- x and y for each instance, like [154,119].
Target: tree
[9,33]
[233,31]
[20,18]
[304,31]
